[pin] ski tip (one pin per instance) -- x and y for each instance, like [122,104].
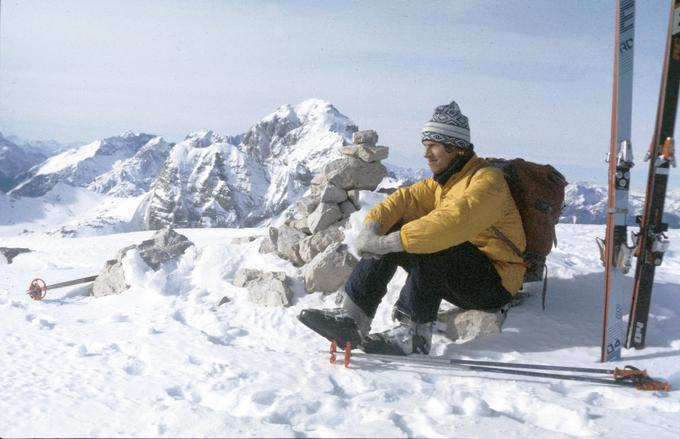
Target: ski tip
[654,385]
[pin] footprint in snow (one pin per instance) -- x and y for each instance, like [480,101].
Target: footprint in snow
[47,324]
[42,322]
[118,318]
[18,304]
[134,366]
[195,360]
[264,397]
[175,392]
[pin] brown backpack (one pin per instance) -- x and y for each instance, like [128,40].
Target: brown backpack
[538,191]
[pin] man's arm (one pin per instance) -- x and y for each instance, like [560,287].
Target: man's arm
[405,204]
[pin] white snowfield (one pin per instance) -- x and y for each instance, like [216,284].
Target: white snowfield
[163,359]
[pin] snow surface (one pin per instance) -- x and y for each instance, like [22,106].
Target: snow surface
[163,359]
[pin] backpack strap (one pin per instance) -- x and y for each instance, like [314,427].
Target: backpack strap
[500,235]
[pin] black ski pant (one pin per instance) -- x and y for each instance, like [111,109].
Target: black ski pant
[461,275]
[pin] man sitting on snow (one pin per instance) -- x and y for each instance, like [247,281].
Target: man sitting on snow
[440,231]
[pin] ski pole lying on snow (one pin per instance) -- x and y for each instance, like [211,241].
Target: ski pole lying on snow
[37,289]
[628,376]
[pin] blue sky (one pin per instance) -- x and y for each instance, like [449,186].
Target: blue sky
[534,77]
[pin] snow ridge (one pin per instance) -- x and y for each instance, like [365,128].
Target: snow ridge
[81,166]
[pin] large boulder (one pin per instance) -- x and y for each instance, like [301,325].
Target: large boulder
[365,137]
[469,324]
[324,216]
[347,208]
[301,224]
[352,173]
[306,205]
[268,245]
[329,270]
[287,243]
[317,243]
[264,288]
[111,280]
[332,194]
[366,153]
[165,245]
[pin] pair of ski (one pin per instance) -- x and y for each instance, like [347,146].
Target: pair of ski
[629,376]
[650,243]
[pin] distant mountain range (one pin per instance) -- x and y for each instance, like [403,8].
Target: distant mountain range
[15,160]
[586,203]
[210,180]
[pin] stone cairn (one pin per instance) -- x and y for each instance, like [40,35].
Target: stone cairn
[312,236]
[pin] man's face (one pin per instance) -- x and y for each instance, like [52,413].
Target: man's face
[438,158]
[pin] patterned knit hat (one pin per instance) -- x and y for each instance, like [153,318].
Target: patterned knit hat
[448,126]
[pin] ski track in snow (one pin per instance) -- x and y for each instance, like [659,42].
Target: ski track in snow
[162,359]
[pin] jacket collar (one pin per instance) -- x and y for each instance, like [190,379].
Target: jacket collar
[455,170]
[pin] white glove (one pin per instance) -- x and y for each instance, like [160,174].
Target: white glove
[369,244]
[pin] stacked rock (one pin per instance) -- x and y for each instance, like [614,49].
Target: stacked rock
[311,237]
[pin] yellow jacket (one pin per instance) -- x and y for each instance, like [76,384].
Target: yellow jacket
[464,209]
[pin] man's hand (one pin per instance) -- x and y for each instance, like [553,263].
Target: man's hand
[371,245]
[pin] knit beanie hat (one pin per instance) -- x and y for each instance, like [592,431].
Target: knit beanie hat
[448,126]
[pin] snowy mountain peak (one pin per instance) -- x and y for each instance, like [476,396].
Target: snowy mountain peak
[280,132]
[319,111]
[201,139]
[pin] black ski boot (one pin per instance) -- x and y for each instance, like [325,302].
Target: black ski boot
[333,324]
[343,324]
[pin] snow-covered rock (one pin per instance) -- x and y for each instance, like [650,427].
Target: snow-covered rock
[264,287]
[164,246]
[110,280]
[7,254]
